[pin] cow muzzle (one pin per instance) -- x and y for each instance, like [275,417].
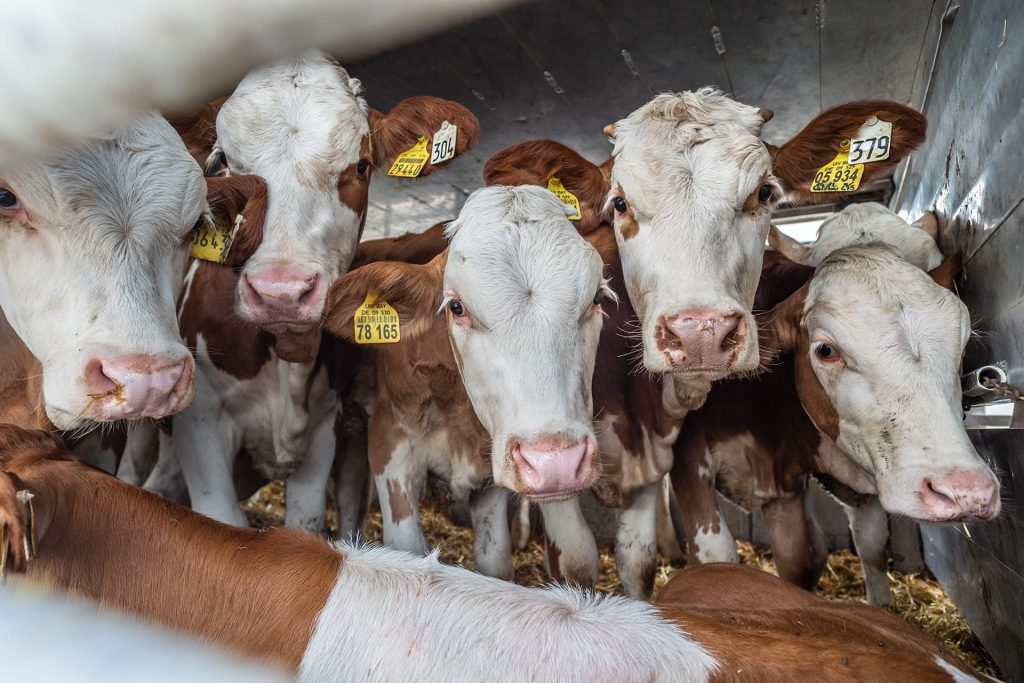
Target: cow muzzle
[960,496]
[138,385]
[552,468]
[701,341]
[282,296]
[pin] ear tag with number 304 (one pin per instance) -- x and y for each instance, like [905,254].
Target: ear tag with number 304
[838,175]
[376,322]
[443,143]
[409,163]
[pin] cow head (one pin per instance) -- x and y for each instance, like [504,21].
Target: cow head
[303,126]
[690,188]
[520,294]
[877,345]
[93,246]
[860,224]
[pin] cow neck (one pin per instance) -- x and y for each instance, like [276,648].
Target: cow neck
[21,382]
[254,592]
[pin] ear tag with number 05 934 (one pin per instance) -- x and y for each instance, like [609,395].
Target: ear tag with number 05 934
[838,175]
[409,163]
[443,143]
[376,322]
[871,142]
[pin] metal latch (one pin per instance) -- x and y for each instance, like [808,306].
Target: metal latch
[990,401]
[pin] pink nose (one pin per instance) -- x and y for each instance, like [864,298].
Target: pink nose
[701,339]
[960,495]
[280,295]
[553,467]
[138,385]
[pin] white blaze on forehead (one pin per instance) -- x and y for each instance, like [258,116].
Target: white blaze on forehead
[873,222]
[514,257]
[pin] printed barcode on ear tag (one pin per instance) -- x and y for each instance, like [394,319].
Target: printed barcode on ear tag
[871,142]
[213,242]
[443,143]
[566,197]
[838,175]
[376,322]
[410,162]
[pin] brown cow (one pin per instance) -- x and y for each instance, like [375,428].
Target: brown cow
[338,612]
[689,191]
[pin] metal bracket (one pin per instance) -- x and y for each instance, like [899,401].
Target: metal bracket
[986,409]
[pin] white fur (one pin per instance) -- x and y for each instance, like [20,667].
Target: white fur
[93,265]
[956,674]
[873,222]
[396,617]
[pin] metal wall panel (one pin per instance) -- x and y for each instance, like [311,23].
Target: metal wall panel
[970,170]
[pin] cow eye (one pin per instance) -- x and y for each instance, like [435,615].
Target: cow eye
[456,307]
[363,166]
[620,204]
[599,297]
[7,199]
[826,352]
[764,195]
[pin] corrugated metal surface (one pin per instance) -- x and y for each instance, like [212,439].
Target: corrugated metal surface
[970,170]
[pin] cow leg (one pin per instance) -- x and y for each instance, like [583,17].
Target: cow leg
[206,448]
[166,478]
[306,488]
[399,489]
[140,453]
[793,547]
[521,524]
[492,543]
[571,555]
[351,475]
[869,526]
[707,535]
[668,539]
[636,543]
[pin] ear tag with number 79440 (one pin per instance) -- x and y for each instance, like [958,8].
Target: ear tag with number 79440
[443,143]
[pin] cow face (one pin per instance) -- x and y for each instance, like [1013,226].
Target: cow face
[877,344]
[302,125]
[93,247]
[520,296]
[523,294]
[861,224]
[691,188]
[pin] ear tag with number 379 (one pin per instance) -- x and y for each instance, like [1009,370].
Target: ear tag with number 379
[409,163]
[443,143]
[376,322]
[871,142]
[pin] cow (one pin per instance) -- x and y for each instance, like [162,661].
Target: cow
[687,195]
[113,217]
[862,392]
[337,612]
[267,379]
[498,388]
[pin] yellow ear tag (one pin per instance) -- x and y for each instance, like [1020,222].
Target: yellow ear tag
[564,196]
[410,162]
[376,322]
[838,175]
[213,242]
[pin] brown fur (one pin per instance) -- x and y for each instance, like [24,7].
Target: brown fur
[414,247]
[399,129]
[21,382]
[256,593]
[534,163]
[763,629]
[198,129]
[945,273]
[229,196]
[797,161]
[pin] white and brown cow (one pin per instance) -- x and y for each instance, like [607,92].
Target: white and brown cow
[267,380]
[688,193]
[863,392]
[325,612]
[498,387]
[92,249]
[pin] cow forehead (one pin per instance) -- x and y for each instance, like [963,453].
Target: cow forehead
[872,222]
[305,109]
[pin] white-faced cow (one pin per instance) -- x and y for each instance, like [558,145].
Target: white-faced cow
[92,249]
[863,393]
[266,379]
[337,613]
[498,338]
[688,192]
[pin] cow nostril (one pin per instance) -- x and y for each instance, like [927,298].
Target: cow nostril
[942,497]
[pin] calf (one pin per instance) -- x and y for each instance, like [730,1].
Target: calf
[338,612]
[688,195]
[267,379]
[504,375]
[113,218]
[864,393]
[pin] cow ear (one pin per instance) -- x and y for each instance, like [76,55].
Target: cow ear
[945,273]
[788,247]
[536,162]
[232,196]
[414,291]
[603,239]
[929,223]
[780,327]
[401,128]
[198,129]
[413,247]
[796,162]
